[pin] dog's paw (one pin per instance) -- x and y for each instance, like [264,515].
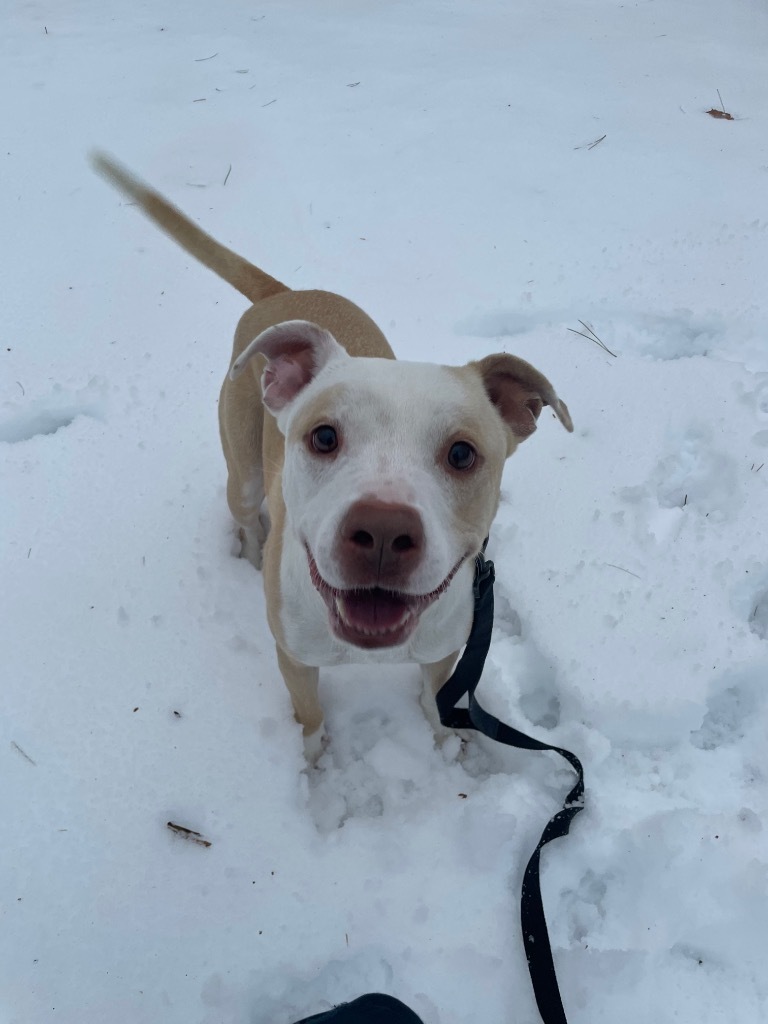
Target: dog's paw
[251,545]
[315,745]
[451,742]
[444,735]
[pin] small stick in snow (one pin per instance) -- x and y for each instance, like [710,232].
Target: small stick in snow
[621,567]
[591,145]
[199,59]
[722,105]
[187,833]
[22,387]
[23,753]
[226,179]
[591,336]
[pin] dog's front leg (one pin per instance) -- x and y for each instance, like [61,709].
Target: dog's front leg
[302,683]
[433,676]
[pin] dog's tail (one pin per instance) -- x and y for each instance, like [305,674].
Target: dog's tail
[252,282]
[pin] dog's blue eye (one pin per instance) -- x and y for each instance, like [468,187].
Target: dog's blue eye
[461,455]
[324,439]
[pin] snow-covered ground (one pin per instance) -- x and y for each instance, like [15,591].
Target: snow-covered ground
[436,162]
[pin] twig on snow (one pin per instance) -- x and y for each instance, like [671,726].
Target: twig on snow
[591,145]
[621,567]
[23,753]
[188,833]
[591,336]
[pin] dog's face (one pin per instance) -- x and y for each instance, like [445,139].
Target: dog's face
[392,469]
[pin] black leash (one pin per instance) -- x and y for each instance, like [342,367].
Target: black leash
[375,1008]
[463,682]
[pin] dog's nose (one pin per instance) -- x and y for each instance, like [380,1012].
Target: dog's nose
[380,544]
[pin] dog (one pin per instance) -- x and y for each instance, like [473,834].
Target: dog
[380,478]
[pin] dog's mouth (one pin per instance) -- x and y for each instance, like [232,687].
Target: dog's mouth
[372,617]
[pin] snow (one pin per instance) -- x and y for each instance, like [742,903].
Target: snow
[434,162]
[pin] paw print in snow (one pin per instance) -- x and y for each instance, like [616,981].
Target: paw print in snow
[42,417]
[731,710]
[758,620]
[696,474]
[758,400]
[585,906]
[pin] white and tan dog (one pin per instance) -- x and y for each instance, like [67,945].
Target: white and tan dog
[381,478]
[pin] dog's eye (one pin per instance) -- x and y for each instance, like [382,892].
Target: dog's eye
[461,455]
[324,440]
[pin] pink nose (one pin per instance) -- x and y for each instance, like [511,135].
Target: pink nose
[379,544]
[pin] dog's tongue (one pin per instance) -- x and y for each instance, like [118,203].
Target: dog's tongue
[372,611]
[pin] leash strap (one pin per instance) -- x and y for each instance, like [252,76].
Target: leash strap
[463,682]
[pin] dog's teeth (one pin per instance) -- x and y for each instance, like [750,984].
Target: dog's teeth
[340,611]
[339,606]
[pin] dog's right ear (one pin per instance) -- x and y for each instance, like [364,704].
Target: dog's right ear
[296,351]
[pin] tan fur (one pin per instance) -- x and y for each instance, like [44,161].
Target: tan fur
[506,376]
[252,282]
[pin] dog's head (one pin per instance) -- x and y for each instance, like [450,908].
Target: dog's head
[392,469]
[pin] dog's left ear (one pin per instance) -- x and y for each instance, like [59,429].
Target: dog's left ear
[519,392]
[296,351]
